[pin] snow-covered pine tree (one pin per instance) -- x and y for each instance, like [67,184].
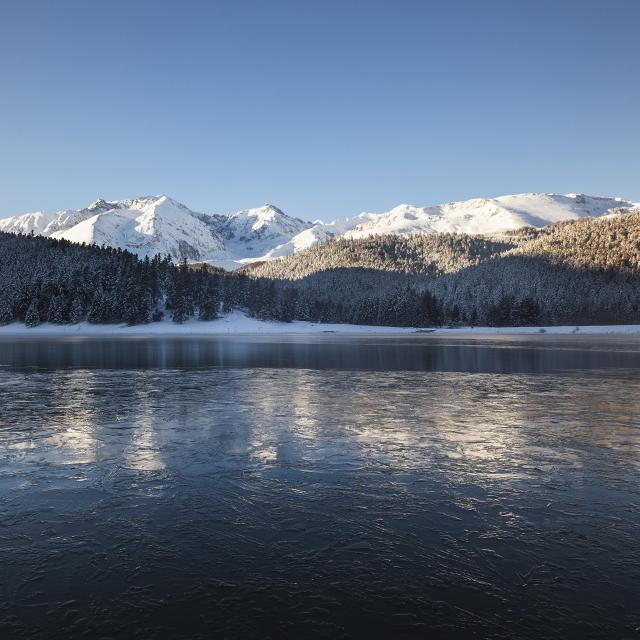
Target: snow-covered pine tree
[6,311]
[76,313]
[32,316]
[58,311]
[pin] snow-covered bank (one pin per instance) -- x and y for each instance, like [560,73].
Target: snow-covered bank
[239,323]
[565,330]
[235,322]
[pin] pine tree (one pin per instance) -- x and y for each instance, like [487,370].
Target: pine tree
[430,310]
[526,312]
[501,314]
[58,312]
[210,298]
[32,316]
[6,311]
[76,314]
[98,310]
[288,304]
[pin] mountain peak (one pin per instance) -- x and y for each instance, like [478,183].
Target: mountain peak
[263,211]
[97,204]
[272,207]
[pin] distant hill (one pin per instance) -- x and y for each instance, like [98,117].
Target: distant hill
[578,271]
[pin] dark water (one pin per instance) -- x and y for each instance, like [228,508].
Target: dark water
[320,487]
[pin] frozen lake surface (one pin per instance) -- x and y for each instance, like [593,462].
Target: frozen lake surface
[320,486]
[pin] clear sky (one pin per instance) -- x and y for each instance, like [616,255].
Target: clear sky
[325,108]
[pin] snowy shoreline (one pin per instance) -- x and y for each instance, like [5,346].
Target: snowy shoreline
[238,323]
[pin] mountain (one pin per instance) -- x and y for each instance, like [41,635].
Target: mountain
[479,216]
[158,224]
[484,216]
[144,226]
[253,233]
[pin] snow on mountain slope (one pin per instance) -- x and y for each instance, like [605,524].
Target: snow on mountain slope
[487,216]
[145,226]
[318,232]
[478,216]
[158,224]
[46,223]
[252,233]
[303,240]
[37,222]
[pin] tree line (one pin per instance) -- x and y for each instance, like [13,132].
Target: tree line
[582,272]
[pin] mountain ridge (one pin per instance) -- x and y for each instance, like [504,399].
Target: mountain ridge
[150,225]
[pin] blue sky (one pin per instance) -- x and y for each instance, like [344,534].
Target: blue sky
[323,108]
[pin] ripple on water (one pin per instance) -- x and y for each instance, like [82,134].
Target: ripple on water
[255,502]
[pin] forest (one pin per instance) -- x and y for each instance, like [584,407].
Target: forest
[579,272]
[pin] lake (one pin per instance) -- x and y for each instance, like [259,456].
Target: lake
[320,486]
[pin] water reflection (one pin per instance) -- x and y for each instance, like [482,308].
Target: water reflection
[261,500]
[499,354]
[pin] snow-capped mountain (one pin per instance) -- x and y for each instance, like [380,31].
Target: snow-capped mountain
[478,216]
[158,224]
[254,233]
[487,216]
[146,226]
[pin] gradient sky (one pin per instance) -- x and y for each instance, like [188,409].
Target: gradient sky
[325,108]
